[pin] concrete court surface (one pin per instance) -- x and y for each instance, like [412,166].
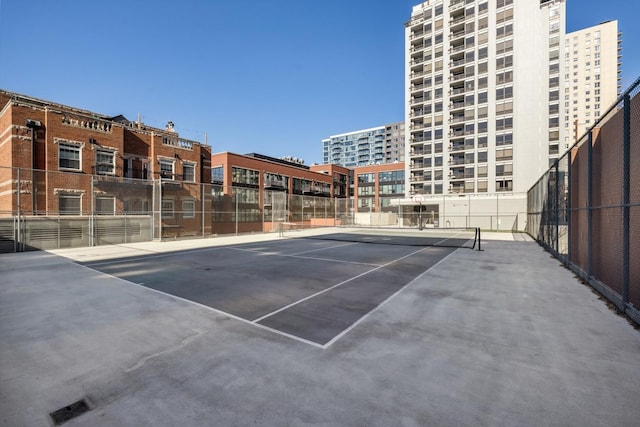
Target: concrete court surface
[503,337]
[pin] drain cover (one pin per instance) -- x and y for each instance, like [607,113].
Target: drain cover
[70,411]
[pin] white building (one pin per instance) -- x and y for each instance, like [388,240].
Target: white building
[483,81]
[379,145]
[592,79]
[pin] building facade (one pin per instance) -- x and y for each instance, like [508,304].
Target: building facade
[376,186]
[254,192]
[592,80]
[476,118]
[58,160]
[382,144]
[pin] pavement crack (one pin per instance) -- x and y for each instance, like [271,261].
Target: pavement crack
[141,362]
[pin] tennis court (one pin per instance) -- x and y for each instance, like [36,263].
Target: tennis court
[310,287]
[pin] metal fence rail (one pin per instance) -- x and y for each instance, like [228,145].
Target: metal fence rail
[586,208]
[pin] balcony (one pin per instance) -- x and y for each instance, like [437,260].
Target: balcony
[274,184]
[456,77]
[455,106]
[455,5]
[456,35]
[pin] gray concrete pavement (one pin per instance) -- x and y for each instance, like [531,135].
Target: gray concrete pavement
[502,337]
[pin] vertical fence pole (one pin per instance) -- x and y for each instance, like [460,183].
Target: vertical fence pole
[589,201]
[626,175]
[92,218]
[159,194]
[202,196]
[556,223]
[17,238]
[237,211]
[497,211]
[569,205]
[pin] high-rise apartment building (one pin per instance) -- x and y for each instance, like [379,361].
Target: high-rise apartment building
[483,88]
[382,144]
[592,79]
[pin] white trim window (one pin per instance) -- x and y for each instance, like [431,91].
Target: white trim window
[188,209]
[167,208]
[189,172]
[105,162]
[69,156]
[105,205]
[69,204]
[166,169]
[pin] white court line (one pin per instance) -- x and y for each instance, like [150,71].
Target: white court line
[215,310]
[145,257]
[361,319]
[307,257]
[448,238]
[336,285]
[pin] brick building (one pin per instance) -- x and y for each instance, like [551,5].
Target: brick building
[61,156]
[254,192]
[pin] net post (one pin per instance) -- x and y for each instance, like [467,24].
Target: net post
[478,238]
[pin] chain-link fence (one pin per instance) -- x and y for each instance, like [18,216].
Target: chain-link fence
[586,208]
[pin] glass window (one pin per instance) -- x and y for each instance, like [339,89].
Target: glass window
[69,204]
[105,205]
[105,162]
[166,169]
[189,172]
[188,208]
[167,208]
[68,156]
[217,174]
[366,178]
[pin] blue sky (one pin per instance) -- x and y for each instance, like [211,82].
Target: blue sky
[267,76]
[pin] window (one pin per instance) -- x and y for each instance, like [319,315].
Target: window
[105,205]
[245,176]
[505,185]
[504,154]
[69,204]
[366,178]
[189,172]
[217,174]
[167,208]
[166,169]
[105,162]
[188,209]
[68,156]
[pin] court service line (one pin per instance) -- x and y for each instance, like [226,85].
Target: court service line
[215,310]
[336,285]
[308,257]
[376,308]
[146,257]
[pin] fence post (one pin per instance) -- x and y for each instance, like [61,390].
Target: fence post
[557,207]
[589,200]
[92,218]
[626,175]
[568,205]
[202,196]
[236,207]
[497,212]
[17,238]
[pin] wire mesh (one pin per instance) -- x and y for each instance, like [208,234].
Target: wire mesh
[585,208]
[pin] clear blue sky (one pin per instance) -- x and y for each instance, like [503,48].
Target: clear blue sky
[267,76]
